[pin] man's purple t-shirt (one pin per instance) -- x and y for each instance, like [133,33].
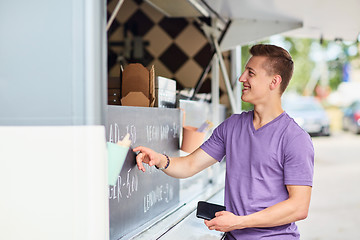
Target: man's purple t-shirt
[259,165]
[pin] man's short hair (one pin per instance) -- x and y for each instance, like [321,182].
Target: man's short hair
[278,61]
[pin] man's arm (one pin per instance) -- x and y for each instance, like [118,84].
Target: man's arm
[179,167]
[293,209]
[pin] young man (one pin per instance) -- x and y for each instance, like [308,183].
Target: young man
[269,158]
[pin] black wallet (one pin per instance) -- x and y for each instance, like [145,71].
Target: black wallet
[207,210]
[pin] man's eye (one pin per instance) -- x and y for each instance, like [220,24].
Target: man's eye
[251,73]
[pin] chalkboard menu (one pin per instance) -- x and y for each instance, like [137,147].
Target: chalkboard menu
[139,197]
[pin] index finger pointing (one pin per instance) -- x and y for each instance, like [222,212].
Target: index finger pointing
[137,149]
[142,149]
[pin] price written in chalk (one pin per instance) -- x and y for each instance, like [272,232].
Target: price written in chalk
[124,188]
[115,136]
[162,193]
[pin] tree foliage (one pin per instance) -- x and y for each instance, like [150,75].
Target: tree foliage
[306,66]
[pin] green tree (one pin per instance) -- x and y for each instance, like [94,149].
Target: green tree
[301,50]
[303,65]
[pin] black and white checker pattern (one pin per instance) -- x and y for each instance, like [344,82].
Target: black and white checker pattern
[176,46]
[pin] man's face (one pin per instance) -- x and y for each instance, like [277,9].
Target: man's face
[256,81]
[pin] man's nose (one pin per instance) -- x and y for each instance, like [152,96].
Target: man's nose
[242,78]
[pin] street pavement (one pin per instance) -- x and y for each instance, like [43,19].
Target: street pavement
[335,206]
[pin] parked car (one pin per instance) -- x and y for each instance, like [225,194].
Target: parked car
[309,114]
[351,118]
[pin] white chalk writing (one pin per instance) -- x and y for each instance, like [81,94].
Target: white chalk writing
[158,132]
[115,136]
[161,193]
[125,188]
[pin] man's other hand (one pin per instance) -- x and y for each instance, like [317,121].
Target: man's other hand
[224,221]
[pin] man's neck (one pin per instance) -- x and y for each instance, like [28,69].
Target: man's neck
[265,113]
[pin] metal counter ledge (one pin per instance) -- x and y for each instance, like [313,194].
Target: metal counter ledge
[194,228]
[182,223]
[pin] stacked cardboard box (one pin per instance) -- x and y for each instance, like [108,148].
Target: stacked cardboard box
[137,86]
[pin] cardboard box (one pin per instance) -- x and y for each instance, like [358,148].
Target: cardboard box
[137,86]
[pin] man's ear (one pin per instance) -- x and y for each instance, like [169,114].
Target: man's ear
[275,83]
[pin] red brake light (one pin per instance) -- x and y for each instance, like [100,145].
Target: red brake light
[357,116]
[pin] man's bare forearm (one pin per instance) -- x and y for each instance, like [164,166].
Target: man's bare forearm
[282,213]
[184,167]
[178,167]
[293,209]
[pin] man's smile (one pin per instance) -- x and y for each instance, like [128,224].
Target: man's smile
[246,88]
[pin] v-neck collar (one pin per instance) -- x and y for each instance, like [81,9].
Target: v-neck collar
[266,125]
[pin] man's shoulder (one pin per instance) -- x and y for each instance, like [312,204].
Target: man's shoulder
[293,130]
[292,126]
